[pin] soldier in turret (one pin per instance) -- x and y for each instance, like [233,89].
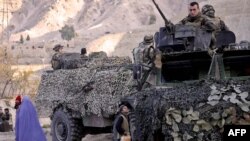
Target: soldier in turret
[209,11]
[83,53]
[196,18]
[55,61]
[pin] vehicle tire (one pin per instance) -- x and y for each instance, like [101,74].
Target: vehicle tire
[65,128]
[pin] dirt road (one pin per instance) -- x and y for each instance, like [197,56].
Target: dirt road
[10,136]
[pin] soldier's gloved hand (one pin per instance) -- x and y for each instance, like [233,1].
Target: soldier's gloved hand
[215,50]
[211,52]
[170,26]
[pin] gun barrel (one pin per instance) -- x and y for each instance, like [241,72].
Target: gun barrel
[161,13]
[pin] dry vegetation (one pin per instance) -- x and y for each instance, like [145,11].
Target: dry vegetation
[13,81]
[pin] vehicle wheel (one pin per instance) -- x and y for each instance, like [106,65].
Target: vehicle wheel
[65,127]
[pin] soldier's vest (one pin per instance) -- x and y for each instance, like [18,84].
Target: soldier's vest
[55,61]
[125,127]
[139,54]
[142,53]
[197,22]
[217,22]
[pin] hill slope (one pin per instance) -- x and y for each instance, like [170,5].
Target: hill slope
[111,25]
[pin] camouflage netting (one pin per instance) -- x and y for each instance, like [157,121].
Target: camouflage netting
[72,61]
[193,112]
[76,60]
[95,88]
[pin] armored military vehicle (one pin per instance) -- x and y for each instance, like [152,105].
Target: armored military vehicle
[186,90]
[176,89]
[83,95]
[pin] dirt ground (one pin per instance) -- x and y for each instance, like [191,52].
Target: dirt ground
[10,136]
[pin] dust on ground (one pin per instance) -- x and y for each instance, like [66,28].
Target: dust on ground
[10,136]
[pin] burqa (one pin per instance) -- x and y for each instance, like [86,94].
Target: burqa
[27,126]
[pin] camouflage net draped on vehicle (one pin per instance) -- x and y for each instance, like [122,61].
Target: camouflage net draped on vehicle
[94,88]
[192,112]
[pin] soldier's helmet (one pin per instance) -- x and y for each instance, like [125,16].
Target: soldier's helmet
[148,39]
[206,8]
[57,47]
[83,51]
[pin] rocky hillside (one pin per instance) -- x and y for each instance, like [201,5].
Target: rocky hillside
[115,26]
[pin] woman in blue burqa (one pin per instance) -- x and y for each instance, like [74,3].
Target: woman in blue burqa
[28,127]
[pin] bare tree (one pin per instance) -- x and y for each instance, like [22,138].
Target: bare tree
[6,73]
[22,80]
[12,80]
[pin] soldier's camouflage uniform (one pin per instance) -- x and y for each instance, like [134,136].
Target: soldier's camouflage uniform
[143,52]
[143,56]
[219,25]
[55,61]
[200,21]
[209,11]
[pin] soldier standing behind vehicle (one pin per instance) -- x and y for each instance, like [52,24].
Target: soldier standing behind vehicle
[144,56]
[55,61]
[121,124]
[83,53]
